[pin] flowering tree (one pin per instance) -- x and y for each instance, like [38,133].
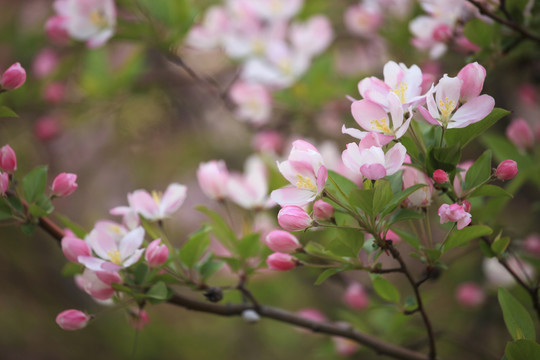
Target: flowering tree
[386,184]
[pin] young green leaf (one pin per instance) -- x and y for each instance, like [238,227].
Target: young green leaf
[499,246]
[249,246]
[522,349]
[326,274]
[195,247]
[479,172]
[220,228]
[464,236]
[385,289]
[34,183]
[158,291]
[516,317]
[490,190]
[464,135]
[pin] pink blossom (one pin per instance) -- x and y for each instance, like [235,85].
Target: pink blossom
[392,236]
[213,177]
[98,284]
[312,314]
[4,183]
[306,172]
[528,94]
[250,190]
[282,241]
[156,206]
[268,141]
[412,176]
[440,176]
[370,160]
[294,218]
[313,36]
[73,247]
[454,213]
[470,295]
[274,10]
[156,253]
[498,275]
[531,244]
[363,19]
[47,128]
[72,319]
[64,184]
[56,29]
[356,297]
[130,218]
[54,93]
[281,261]
[254,102]
[472,77]
[45,63]
[322,210]
[506,170]
[8,159]
[519,132]
[344,346]
[13,78]
[209,33]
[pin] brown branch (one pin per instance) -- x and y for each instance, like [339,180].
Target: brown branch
[380,347]
[507,22]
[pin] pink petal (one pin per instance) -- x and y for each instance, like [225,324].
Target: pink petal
[322,176]
[91,262]
[101,242]
[131,242]
[172,199]
[365,111]
[292,196]
[142,202]
[373,171]
[133,258]
[394,158]
[355,133]
[472,111]
[427,116]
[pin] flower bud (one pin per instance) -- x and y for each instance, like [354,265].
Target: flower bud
[520,134]
[281,261]
[4,183]
[73,247]
[473,76]
[156,254]
[282,241]
[294,218]
[13,78]
[466,205]
[54,93]
[532,244]
[72,319]
[506,170]
[64,184]
[138,318]
[56,29]
[212,177]
[440,176]
[470,295]
[47,128]
[355,297]
[250,316]
[392,236]
[323,211]
[8,159]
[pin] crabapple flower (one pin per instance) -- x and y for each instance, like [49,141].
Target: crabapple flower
[392,236]
[356,297]
[363,19]
[306,172]
[472,76]
[294,218]
[531,244]
[72,319]
[440,176]
[64,184]
[113,256]
[280,261]
[13,78]
[444,109]
[313,36]
[470,295]
[4,182]
[268,141]
[56,29]
[98,284]
[322,210]
[250,190]
[208,34]
[254,102]
[370,160]
[455,213]
[156,253]
[405,82]
[157,206]
[47,128]
[213,176]
[282,241]
[372,117]
[8,159]
[275,10]
[73,247]
[520,134]
[506,170]
[412,176]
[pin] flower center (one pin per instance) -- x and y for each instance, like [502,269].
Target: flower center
[381,125]
[446,107]
[98,18]
[114,256]
[305,183]
[157,195]
[400,91]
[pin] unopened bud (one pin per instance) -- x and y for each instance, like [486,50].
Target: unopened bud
[519,132]
[281,261]
[506,170]
[64,184]
[294,218]
[470,295]
[322,210]
[156,253]
[8,159]
[4,183]
[282,241]
[72,319]
[73,247]
[440,176]
[356,297]
[13,78]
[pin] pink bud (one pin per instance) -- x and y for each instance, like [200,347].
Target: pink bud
[532,244]
[56,30]
[282,241]
[312,314]
[506,170]
[294,218]
[13,78]
[442,33]
[268,141]
[156,253]
[8,159]
[527,94]
[138,319]
[344,346]
[355,297]
[323,211]
[470,295]
[392,236]
[473,76]
[440,176]
[45,62]
[212,177]
[73,247]
[64,184]
[47,128]
[72,319]
[4,183]
[520,134]
[281,261]
[54,93]
[466,205]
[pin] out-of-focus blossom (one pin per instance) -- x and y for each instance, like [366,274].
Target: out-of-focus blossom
[531,244]
[156,253]
[412,176]
[497,274]
[213,177]
[273,10]
[527,94]
[64,184]
[363,19]
[250,316]
[45,63]
[72,319]
[254,102]
[54,93]
[47,128]
[313,36]
[156,206]
[344,346]
[519,132]
[506,170]
[250,190]
[282,241]
[14,77]
[459,179]
[268,141]
[294,218]
[4,183]
[392,236]
[281,261]
[208,34]
[356,297]
[8,159]
[56,30]
[470,295]
[454,213]
[306,172]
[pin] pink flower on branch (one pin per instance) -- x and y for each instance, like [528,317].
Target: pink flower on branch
[64,184]
[455,213]
[8,159]
[156,206]
[13,78]
[72,319]
[156,253]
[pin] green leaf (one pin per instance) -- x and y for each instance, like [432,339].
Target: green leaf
[77,230]
[209,267]
[399,197]
[6,112]
[140,273]
[479,172]
[220,229]
[464,135]
[363,199]
[34,183]
[517,319]
[318,250]
[5,210]
[158,291]
[249,246]
[233,263]
[42,206]
[522,350]
[348,242]
[72,269]
[385,289]
[486,250]
[464,236]
[404,214]
[499,246]
[339,186]
[490,190]
[372,201]
[28,228]
[408,237]
[432,254]
[326,274]
[445,158]
[479,32]
[195,247]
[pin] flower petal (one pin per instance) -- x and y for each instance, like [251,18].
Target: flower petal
[291,195]
[373,171]
[172,199]
[365,112]
[472,111]
[131,242]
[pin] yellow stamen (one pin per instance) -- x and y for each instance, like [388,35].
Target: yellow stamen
[276,6]
[114,256]
[381,125]
[258,47]
[157,195]
[400,91]
[285,67]
[98,18]
[305,183]
[446,107]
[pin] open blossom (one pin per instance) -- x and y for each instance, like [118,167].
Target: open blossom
[313,36]
[455,213]
[472,76]
[363,19]
[306,172]
[92,21]
[208,34]
[113,256]
[470,295]
[369,159]
[273,10]
[250,190]
[444,109]
[156,206]
[372,117]
[213,176]
[405,82]
[254,102]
